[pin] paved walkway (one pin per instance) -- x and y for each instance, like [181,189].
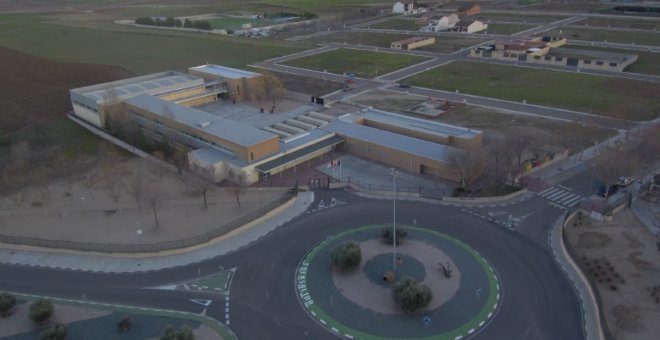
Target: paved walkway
[99,263]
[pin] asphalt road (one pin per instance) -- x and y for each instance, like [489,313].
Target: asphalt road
[538,301]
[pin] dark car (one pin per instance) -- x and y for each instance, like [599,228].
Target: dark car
[404,86]
[602,191]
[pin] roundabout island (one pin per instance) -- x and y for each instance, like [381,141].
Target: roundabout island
[358,303]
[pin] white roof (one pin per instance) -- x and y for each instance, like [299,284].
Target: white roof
[225,72]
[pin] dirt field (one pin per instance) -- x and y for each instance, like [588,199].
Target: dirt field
[495,124]
[36,89]
[622,257]
[308,85]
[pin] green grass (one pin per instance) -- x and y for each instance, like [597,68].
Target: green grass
[522,18]
[442,43]
[603,35]
[638,23]
[139,50]
[506,29]
[621,98]
[235,23]
[397,24]
[647,62]
[364,64]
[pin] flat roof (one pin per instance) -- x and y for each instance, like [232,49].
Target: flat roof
[211,155]
[417,124]
[227,129]
[295,155]
[131,87]
[302,139]
[603,55]
[390,140]
[226,72]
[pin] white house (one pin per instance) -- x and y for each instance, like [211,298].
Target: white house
[442,24]
[469,26]
[403,8]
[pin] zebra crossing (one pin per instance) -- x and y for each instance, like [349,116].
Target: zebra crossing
[562,196]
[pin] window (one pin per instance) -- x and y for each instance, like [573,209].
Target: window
[251,156]
[599,63]
[588,62]
[547,57]
[559,59]
[537,57]
[613,64]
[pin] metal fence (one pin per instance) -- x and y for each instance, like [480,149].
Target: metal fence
[416,191]
[154,247]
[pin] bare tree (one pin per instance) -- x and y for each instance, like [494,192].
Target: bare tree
[500,163]
[155,199]
[257,88]
[201,182]
[519,144]
[136,184]
[467,164]
[274,87]
[180,157]
[237,189]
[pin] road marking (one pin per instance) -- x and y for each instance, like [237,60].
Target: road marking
[204,303]
[497,213]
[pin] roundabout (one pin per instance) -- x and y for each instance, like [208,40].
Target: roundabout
[359,304]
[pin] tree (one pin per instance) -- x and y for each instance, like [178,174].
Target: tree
[410,295]
[136,184]
[518,145]
[499,163]
[257,88]
[188,23]
[467,164]
[274,87]
[124,324]
[170,333]
[346,256]
[7,302]
[387,235]
[57,332]
[41,310]
[237,189]
[201,182]
[180,157]
[155,199]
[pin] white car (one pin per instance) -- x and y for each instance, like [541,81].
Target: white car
[625,181]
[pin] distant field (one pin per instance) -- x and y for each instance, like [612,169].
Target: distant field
[236,23]
[506,29]
[647,62]
[364,64]
[639,23]
[615,97]
[442,43]
[138,50]
[521,18]
[609,35]
[397,24]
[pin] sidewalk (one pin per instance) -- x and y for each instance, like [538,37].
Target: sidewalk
[109,264]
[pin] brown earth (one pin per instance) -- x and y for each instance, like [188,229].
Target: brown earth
[622,260]
[36,89]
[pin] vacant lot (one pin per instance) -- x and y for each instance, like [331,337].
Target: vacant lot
[521,18]
[621,98]
[606,35]
[647,62]
[140,50]
[397,24]
[496,124]
[639,23]
[443,44]
[621,258]
[364,64]
[506,29]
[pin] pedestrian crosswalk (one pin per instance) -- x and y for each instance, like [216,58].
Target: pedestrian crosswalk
[561,195]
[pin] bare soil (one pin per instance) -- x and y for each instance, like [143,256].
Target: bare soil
[622,259]
[19,322]
[36,89]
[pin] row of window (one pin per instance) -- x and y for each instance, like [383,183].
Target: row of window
[85,106]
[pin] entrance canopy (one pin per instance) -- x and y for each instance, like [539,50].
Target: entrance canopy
[293,157]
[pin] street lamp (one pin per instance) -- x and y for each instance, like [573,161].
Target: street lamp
[394,219]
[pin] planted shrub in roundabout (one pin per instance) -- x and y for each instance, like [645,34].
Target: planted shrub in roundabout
[387,234]
[410,295]
[346,256]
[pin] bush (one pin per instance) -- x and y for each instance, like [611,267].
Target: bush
[387,235]
[124,324]
[7,302]
[57,332]
[346,256]
[410,295]
[185,333]
[41,310]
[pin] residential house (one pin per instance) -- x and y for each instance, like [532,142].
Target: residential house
[469,26]
[412,43]
[442,24]
[467,10]
[404,8]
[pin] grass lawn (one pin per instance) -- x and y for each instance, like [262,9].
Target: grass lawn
[235,23]
[397,24]
[139,50]
[621,98]
[638,23]
[609,35]
[506,29]
[442,43]
[647,62]
[364,64]
[522,18]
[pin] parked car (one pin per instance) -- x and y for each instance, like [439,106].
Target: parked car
[603,190]
[404,86]
[625,181]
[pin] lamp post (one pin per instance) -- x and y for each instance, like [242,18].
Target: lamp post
[394,219]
